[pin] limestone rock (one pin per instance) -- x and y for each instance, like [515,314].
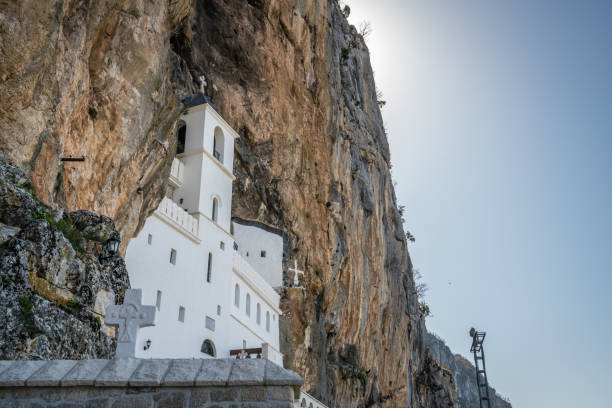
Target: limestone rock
[51,277]
[436,385]
[464,374]
[92,79]
[294,79]
[104,79]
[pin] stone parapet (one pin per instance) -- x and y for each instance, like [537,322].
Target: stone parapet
[130,382]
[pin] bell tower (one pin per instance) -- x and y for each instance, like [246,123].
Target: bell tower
[208,158]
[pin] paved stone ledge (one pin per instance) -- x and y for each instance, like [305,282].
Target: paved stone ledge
[135,372]
[131,382]
[153,397]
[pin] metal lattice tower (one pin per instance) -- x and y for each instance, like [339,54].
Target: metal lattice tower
[481,375]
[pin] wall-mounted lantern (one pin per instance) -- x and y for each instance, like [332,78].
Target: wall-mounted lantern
[112,247]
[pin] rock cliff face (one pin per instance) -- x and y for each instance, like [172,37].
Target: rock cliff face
[295,79]
[104,79]
[464,374]
[82,78]
[53,289]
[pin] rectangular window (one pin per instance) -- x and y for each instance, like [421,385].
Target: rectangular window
[181,316]
[173,256]
[210,323]
[219,310]
[222,245]
[158,300]
[149,239]
[263,254]
[209,271]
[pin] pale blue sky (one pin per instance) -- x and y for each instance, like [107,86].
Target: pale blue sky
[500,125]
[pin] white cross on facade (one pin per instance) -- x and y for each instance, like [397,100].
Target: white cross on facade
[129,317]
[296,274]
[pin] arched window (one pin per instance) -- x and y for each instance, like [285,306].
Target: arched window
[181,135]
[303,404]
[248,304]
[209,270]
[267,321]
[258,313]
[208,347]
[237,296]
[218,144]
[215,209]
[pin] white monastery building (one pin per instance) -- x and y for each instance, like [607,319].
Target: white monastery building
[212,278]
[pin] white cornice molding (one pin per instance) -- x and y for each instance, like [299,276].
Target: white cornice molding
[209,109]
[210,156]
[201,214]
[247,279]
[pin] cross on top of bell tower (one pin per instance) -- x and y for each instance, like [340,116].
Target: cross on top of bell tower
[129,317]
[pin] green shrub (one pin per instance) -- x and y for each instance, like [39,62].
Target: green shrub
[64,226]
[27,188]
[27,308]
[74,304]
[346,52]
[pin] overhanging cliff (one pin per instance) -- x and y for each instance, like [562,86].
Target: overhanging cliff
[296,81]
[105,80]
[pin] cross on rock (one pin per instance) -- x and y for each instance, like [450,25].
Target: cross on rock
[296,274]
[129,317]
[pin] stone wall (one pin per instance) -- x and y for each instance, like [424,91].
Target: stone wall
[130,382]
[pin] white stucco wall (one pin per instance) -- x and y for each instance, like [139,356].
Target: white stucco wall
[251,241]
[184,283]
[244,326]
